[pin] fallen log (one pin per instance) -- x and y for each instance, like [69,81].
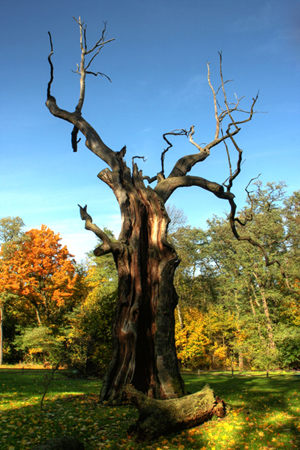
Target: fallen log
[161,417]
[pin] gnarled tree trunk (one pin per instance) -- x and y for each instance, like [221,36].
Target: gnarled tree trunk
[144,346]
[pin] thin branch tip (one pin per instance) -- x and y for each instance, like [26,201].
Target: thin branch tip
[51,67]
[50,38]
[84,214]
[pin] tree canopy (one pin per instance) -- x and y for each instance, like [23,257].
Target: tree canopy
[40,271]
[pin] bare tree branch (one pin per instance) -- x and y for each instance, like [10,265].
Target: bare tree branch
[166,187]
[185,164]
[51,66]
[180,132]
[217,132]
[192,131]
[150,179]
[93,140]
[104,248]
[144,158]
[82,69]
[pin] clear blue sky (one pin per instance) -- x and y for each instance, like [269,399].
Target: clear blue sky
[158,69]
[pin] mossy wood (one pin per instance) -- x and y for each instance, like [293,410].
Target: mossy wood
[161,417]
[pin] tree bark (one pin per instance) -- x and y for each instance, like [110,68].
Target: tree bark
[180,317]
[241,361]
[268,320]
[144,352]
[266,313]
[157,417]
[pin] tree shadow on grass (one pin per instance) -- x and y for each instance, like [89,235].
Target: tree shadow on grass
[79,416]
[66,411]
[264,414]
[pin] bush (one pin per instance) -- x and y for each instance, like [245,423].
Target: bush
[43,344]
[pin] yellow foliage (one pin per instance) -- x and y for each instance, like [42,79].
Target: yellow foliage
[220,352]
[191,340]
[202,341]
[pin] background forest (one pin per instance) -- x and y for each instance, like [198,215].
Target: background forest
[238,305]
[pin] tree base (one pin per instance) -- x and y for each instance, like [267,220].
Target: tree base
[161,417]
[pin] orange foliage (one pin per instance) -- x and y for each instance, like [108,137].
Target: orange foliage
[39,270]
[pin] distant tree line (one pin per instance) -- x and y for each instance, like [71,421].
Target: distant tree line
[239,304]
[238,308]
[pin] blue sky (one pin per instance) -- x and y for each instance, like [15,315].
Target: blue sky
[157,65]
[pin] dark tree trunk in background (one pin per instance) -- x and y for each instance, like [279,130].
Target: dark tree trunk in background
[144,345]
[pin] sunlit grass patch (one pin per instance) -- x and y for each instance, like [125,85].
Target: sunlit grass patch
[264,413]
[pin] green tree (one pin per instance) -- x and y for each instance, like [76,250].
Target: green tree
[257,281]
[195,279]
[10,232]
[46,344]
[11,229]
[90,334]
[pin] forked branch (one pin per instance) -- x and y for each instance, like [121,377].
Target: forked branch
[104,248]
[82,69]
[180,132]
[93,140]
[185,164]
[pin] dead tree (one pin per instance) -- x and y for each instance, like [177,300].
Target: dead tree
[144,353]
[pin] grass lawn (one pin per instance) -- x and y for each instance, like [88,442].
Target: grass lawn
[264,413]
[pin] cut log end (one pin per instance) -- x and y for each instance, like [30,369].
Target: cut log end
[162,417]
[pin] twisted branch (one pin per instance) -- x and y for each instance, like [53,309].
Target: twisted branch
[51,67]
[93,140]
[107,245]
[82,70]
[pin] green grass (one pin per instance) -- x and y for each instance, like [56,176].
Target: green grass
[264,413]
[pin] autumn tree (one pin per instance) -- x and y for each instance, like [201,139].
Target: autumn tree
[41,272]
[144,353]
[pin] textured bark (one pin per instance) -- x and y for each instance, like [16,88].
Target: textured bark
[266,313]
[268,320]
[144,346]
[157,417]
